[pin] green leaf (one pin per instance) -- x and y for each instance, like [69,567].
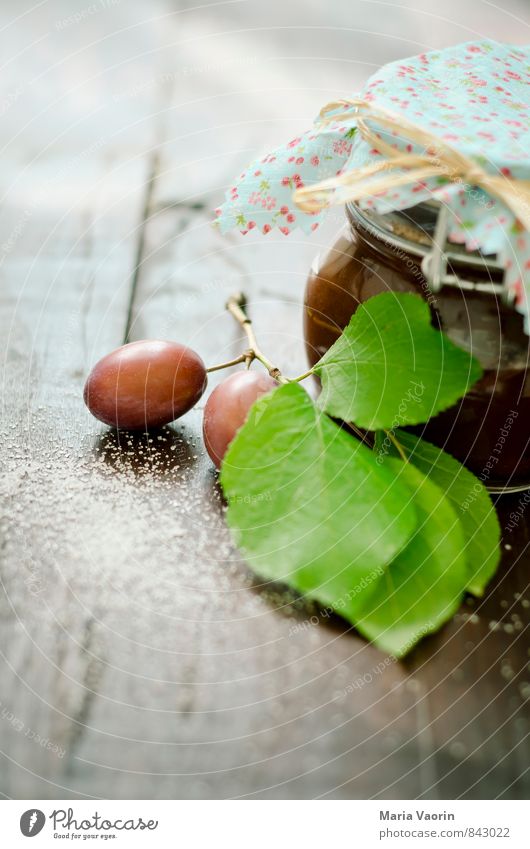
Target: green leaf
[471,502]
[309,504]
[424,584]
[391,368]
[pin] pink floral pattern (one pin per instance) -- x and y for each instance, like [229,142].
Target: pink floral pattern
[475,96]
[263,193]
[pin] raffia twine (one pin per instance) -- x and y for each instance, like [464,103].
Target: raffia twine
[400,167]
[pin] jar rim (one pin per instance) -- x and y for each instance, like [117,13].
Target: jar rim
[412,230]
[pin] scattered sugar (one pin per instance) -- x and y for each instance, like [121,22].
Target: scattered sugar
[457,749]
[507,671]
[524,689]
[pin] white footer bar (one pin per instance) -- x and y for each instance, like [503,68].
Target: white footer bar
[265,824]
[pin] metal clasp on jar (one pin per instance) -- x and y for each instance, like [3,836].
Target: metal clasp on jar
[434,265]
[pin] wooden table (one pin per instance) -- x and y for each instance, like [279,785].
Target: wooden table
[139,658]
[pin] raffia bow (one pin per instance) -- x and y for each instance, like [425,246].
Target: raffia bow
[403,168]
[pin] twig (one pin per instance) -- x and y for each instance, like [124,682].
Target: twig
[236,307]
[302,376]
[247,356]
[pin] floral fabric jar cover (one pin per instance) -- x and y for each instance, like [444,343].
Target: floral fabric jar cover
[475,97]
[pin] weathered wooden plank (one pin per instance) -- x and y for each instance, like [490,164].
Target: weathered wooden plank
[476,681]
[133,638]
[67,265]
[219,687]
[172,297]
[198,682]
[368,727]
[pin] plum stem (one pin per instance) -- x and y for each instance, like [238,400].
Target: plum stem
[248,356]
[236,307]
[303,376]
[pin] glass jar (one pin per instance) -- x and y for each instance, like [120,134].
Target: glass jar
[489,429]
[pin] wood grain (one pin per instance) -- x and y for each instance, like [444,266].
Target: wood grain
[66,285]
[139,658]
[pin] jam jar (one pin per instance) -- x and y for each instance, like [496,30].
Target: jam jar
[407,251]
